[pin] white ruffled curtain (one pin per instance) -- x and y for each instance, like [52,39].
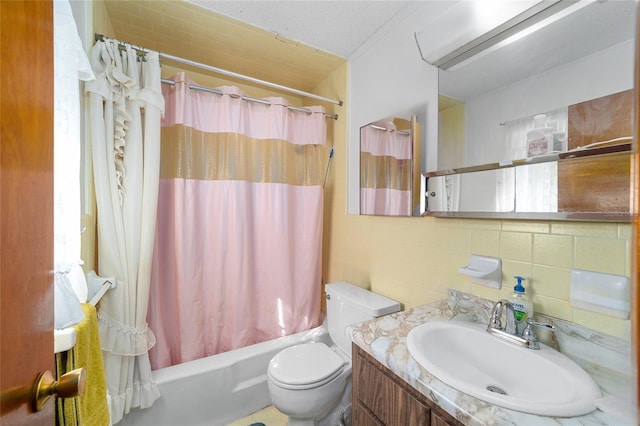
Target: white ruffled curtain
[70,65]
[125,106]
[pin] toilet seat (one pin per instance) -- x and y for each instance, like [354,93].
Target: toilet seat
[305,366]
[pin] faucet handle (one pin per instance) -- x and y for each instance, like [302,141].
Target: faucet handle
[495,321]
[529,334]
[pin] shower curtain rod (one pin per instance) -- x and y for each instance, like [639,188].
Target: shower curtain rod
[225,72]
[384,129]
[244,98]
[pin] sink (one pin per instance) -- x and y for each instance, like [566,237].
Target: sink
[63,339]
[466,357]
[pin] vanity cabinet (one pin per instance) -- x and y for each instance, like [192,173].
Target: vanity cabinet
[380,397]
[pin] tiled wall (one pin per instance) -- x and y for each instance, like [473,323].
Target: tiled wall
[415,260]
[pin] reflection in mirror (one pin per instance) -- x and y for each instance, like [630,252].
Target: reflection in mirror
[525,100]
[388,167]
[592,57]
[537,188]
[451,132]
[595,134]
[587,184]
[484,191]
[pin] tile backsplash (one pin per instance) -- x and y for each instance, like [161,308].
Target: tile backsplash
[418,263]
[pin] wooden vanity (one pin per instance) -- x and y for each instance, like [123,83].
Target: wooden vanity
[380,397]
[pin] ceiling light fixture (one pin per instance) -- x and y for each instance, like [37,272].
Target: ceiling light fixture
[522,24]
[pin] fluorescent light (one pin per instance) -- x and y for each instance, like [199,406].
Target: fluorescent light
[465,21]
[523,23]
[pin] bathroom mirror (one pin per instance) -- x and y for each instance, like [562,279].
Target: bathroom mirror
[390,167]
[586,56]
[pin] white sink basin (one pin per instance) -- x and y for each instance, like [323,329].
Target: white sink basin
[63,339]
[466,357]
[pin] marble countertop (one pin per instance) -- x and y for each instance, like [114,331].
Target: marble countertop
[606,358]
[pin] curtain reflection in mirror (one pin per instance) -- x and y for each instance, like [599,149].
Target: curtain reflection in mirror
[449,187]
[385,170]
[484,192]
[537,188]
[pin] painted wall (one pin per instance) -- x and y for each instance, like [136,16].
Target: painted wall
[451,137]
[415,260]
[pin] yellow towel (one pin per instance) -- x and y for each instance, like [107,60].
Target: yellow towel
[90,408]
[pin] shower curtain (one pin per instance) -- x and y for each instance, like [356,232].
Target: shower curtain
[385,170]
[237,256]
[125,107]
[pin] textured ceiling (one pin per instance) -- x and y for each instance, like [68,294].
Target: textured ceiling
[295,43]
[338,27]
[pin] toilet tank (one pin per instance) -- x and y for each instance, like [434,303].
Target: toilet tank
[348,304]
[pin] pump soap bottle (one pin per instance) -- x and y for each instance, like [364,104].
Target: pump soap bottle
[540,139]
[522,305]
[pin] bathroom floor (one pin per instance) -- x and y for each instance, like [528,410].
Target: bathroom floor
[269,416]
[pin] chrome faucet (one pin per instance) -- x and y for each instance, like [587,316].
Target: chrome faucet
[495,322]
[508,332]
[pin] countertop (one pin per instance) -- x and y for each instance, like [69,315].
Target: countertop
[606,358]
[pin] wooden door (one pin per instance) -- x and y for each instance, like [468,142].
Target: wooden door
[635,252]
[26,202]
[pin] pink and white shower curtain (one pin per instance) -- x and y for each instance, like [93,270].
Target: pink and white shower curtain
[238,244]
[385,170]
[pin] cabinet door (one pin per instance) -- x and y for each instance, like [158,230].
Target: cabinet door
[380,397]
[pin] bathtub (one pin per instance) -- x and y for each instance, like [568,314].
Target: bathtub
[218,389]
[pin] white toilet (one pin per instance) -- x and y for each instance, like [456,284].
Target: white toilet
[311,382]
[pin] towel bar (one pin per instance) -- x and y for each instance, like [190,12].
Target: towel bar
[98,286]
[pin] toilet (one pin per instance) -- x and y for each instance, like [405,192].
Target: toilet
[311,382]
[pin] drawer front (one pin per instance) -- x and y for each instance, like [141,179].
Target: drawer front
[415,413]
[376,391]
[362,417]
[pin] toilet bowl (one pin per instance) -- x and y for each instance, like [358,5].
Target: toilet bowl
[311,382]
[305,381]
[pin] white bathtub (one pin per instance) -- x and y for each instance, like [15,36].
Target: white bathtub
[218,389]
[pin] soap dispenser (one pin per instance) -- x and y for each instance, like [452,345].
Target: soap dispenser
[522,305]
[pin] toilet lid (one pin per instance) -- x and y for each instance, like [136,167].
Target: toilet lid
[305,364]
